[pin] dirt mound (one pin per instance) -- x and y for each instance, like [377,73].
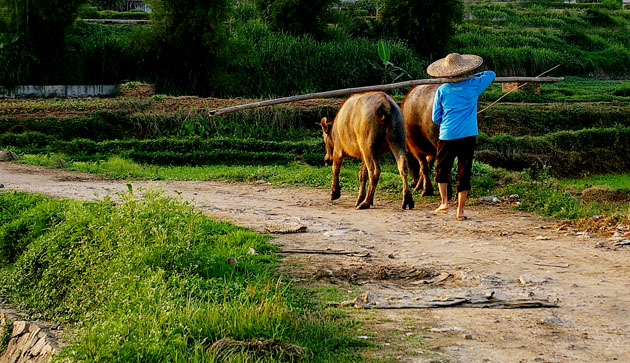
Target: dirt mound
[274,348]
[137,91]
[605,194]
[360,274]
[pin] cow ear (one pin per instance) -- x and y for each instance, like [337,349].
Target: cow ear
[325,125]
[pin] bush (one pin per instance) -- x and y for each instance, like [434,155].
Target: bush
[612,4]
[278,64]
[296,16]
[151,279]
[37,29]
[427,25]
[623,91]
[188,39]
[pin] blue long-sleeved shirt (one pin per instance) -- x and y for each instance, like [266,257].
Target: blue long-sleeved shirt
[455,106]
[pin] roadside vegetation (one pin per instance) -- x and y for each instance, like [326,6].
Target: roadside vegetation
[149,278]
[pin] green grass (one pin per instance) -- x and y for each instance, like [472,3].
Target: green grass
[521,38]
[295,173]
[613,181]
[149,279]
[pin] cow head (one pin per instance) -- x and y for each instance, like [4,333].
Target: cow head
[328,140]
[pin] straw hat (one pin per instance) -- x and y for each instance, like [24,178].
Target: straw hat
[454,64]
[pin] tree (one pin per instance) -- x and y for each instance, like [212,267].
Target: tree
[426,24]
[188,36]
[37,29]
[296,16]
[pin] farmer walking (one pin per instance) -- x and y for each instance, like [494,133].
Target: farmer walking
[455,111]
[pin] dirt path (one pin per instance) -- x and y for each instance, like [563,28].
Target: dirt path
[486,253]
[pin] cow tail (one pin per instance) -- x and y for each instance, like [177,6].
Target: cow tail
[384,112]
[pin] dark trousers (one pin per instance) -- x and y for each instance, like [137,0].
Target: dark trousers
[447,150]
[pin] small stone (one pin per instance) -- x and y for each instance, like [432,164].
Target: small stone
[8,155]
[542,238]
[20,327]
[261,181]
[468,336]
[489,198]
[451,329]
[1,186]
[600,245]
[251,251]
[514,196]
[527,279]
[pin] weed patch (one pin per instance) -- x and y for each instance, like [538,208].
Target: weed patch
[152,279]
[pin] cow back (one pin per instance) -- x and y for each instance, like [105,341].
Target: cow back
[417,109]
[363,119]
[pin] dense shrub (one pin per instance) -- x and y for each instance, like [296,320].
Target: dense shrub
[36,30]
[107,4]
[623,91]
[612,4]
[151,279]
[426,25]
[296,16]
[275,64]
[188,38]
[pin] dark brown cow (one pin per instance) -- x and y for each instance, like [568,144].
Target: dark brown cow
[366,126]
[422,134]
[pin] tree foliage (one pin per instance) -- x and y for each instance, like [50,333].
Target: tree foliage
[427,25]
[187,36]
[107,4]
[296,16]
[34,32]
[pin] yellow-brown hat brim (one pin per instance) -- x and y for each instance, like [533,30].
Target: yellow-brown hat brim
[454,65]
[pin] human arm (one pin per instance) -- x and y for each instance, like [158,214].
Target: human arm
[482,80]
[437,108]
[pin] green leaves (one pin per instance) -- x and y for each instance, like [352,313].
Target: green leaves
[383,51]
[148,279]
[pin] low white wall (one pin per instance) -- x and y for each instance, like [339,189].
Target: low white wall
[59,91]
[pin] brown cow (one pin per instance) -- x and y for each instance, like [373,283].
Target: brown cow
[422,134]
[366,126]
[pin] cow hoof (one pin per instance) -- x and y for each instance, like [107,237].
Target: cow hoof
[358,203]
[364,205]
[335,194]
[408,201]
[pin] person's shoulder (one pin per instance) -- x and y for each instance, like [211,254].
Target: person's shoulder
[443,87]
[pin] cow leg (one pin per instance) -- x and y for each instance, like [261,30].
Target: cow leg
[401,162]
[363,175]
[425,176]
[414,168]
[335,189]
[374,173]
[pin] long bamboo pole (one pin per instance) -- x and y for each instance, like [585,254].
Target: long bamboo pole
[383,87]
